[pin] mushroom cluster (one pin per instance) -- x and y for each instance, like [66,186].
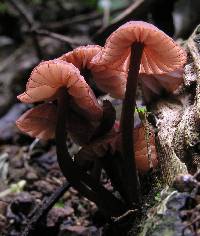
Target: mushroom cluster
[137,52]
[144,51]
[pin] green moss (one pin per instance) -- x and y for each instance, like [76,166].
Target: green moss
[3,7]
[59,204]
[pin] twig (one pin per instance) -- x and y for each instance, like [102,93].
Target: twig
[23,12]
[30,23]
[42,210]
[71,43]
[136,10]
[76,20]
[106,13]
[191,225]
[124,217]
[8,61]
[34,31]
[80,19]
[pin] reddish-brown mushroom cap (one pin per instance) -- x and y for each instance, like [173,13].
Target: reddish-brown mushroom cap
[112,81]
[81,57]
[141,151]
[40,122]
[49,76]
[160,55]
[153,84]
[112,142]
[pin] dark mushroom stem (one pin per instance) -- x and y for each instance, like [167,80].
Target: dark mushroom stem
[131,180]
[79,179]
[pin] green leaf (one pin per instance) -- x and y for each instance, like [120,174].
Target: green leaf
[18,187]
[141,110]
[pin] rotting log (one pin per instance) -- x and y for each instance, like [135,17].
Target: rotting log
[178,120]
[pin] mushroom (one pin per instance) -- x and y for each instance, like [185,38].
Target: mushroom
[107,151]
[143,162]
[160,53]
[162,59]
[112,142]
[152,85]
[112,81]
[143,49]
[61,81]
[49,76]
[40,122]
[44,85]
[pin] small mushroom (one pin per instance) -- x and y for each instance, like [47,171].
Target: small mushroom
[141,150]
[112,142]
[152,85]
[143,49]
[49,76]
[39,122]
[81,57]
[43,85]
[112,81]
[60,82]
[160,54]
[162,59]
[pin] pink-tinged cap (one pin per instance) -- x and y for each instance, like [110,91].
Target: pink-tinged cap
[81,57]
[49,76]
[160,55]
[112,142]
[141,151]
[152,85]
[112,81]
[39,122]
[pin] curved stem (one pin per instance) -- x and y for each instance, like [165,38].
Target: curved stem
[127,126]
[79,179]
[107,121]
[112,165]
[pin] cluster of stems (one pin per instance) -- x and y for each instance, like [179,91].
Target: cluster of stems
[79,179]
[122,169]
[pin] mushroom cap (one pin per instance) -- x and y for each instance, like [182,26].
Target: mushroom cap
[153,85]
[112,142]
[160,55]
[112,81]
[49,76]
[81,57]
[40,122]
[141,149]
[141,152]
